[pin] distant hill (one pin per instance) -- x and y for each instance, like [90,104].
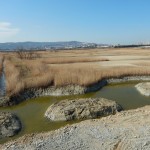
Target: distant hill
[12,46]
[45,45]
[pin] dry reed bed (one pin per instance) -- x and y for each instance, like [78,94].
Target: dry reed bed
[96,52]
[34,74]
[25,74]
[143,64]
[60,60]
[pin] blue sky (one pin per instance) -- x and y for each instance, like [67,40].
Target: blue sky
[101,21]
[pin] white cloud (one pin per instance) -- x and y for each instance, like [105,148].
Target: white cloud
[7,30]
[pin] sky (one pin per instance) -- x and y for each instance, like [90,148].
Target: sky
[99,21]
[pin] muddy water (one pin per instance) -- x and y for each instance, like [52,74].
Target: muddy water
[31,112]
[124,94]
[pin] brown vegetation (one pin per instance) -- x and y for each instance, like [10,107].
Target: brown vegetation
[59,60]
[51,69]
[40,75]
[143,63]
[23,75]
[22,54]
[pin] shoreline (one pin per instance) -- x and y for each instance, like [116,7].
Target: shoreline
[66,90]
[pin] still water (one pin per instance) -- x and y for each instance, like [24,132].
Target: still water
[31,112]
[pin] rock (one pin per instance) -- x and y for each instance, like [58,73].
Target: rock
[144,88]
[81,109]
[9,124]
[126,130]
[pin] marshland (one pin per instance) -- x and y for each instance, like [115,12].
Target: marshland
[74,75]
[43,69]
[74,67]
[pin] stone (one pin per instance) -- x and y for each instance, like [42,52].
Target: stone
[144,88]
[9,124]
[81,109]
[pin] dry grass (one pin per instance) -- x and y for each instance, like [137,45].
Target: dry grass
[59,60]
[51,69]
[143,64]
[84,75]
[13,78]
[25,75]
